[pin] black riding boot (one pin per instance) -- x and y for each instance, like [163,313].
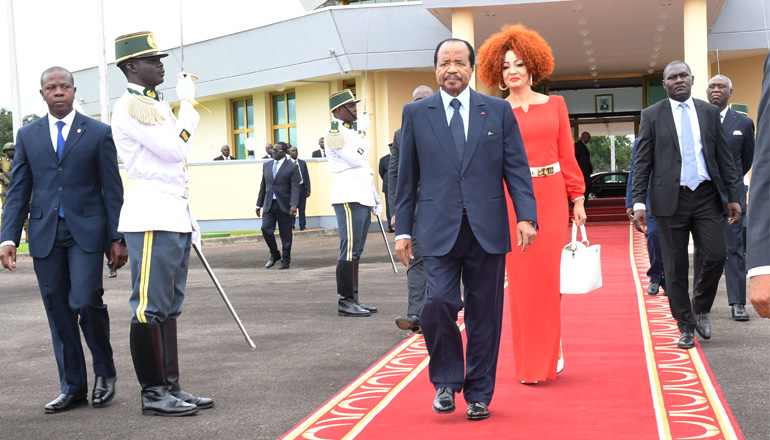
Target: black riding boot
[147,354]
[370,309]
[171,364]
[346,304]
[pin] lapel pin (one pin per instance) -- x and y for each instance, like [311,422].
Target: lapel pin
[79,130]
[490,133]
[482,113]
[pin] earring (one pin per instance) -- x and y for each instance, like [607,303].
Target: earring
[530,80]
[502,83]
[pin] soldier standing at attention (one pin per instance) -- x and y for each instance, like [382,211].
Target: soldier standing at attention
[156,219]
[353,195]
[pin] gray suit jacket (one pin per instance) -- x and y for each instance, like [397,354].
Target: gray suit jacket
[285,186]
[658,152]
[758,228]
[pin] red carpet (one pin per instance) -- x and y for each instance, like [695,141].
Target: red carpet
[612,209]
[623,377]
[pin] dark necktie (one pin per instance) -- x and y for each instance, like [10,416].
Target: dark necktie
[689,161]
[59,150]
[300,172]
[457,129]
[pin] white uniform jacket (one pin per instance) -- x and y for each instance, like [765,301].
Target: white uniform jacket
[353,181]
[154,156]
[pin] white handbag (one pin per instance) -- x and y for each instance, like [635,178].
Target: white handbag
[581,267]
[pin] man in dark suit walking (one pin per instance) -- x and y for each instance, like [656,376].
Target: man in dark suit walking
[739,132]
[682,144]
[584,160]
[758,228]
[279,196]
[70,163]
[458,146]
[304,188]
[383,171]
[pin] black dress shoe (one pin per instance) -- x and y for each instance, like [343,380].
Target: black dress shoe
[703,325]
[408,322]
[104,391]
[653,288]
[113,273]
[66,402]
[477,411]
[445,400]
[686,340]
[284,265]
[739,312]
[271,262]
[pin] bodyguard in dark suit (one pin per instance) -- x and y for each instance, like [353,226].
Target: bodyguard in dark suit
[321,151]
[682,144]
[70,163]
[583,157]
[758,229]
[304,188]
[739,132]
[278,196]
[383,171]
[225,150]
[458,147]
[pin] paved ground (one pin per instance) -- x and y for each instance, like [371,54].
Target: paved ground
[305,353]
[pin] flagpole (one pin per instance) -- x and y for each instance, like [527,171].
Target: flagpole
[104,96]
[15,98]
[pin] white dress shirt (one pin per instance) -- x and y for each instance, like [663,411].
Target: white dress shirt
[465,104]
[54,130]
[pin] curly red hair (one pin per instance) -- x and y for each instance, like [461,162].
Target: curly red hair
[528,46]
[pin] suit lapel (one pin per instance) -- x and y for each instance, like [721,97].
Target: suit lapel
[703,126]
[44,138]
[475,125]
[437,119]
[77,131]
[668,121]
[730,119]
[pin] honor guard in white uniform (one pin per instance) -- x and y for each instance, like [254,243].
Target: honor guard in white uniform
[353,195]
[156,219]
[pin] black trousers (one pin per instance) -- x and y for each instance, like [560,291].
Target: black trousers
[283,219]
[698,212]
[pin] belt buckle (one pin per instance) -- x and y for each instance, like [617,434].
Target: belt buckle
[184,196]
[545,171]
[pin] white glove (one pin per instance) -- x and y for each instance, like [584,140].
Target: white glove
[185,87]
[363,122]
[377,209]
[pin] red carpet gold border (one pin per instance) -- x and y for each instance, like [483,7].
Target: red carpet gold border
[687,400]
[347,413]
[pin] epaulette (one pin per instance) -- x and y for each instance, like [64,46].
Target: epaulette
[335,139]
[144,110]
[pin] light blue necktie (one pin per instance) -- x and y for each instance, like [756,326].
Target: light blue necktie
[457,129]
[59,150]
[275,168]
[689,162]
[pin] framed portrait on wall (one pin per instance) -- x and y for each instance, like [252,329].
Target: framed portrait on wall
[604,104]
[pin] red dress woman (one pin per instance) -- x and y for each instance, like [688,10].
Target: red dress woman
[514,59]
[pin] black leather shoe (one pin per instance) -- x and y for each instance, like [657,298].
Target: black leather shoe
[66,402]
[370,309]
[739,312]
[653,288]
[348,307]
[200,402]
[445,400]
[284,265]
[703,325]
[686,340]
[104,391]
[477,411]
[408,322]
[271,262]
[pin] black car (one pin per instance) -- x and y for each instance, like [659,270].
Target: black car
[608,184]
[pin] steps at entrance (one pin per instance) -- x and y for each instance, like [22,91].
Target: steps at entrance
[611,209]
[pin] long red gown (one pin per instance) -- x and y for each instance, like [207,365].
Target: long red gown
[533,276]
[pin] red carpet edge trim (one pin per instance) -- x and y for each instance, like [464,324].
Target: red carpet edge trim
[349,411]
[688,402]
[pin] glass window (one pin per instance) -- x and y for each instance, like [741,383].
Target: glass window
[284,107]
[243,126]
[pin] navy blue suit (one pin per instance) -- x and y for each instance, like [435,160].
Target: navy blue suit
[68,252]
[462,224]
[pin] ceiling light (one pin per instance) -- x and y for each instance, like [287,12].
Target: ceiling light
[584,32]
[663,17]
[652,63]
[592,67]
[589,52]
[594,73]
[592,60]
[654,55]
[665,3]
[658,39]
[650,70]
[582,22]
[656,48]
[587,43]
[577,9]
[490,14]
[661,28]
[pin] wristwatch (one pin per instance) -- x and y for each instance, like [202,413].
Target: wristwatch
[120,241]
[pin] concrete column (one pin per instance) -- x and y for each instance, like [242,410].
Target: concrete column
[696,45]
[462,28]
